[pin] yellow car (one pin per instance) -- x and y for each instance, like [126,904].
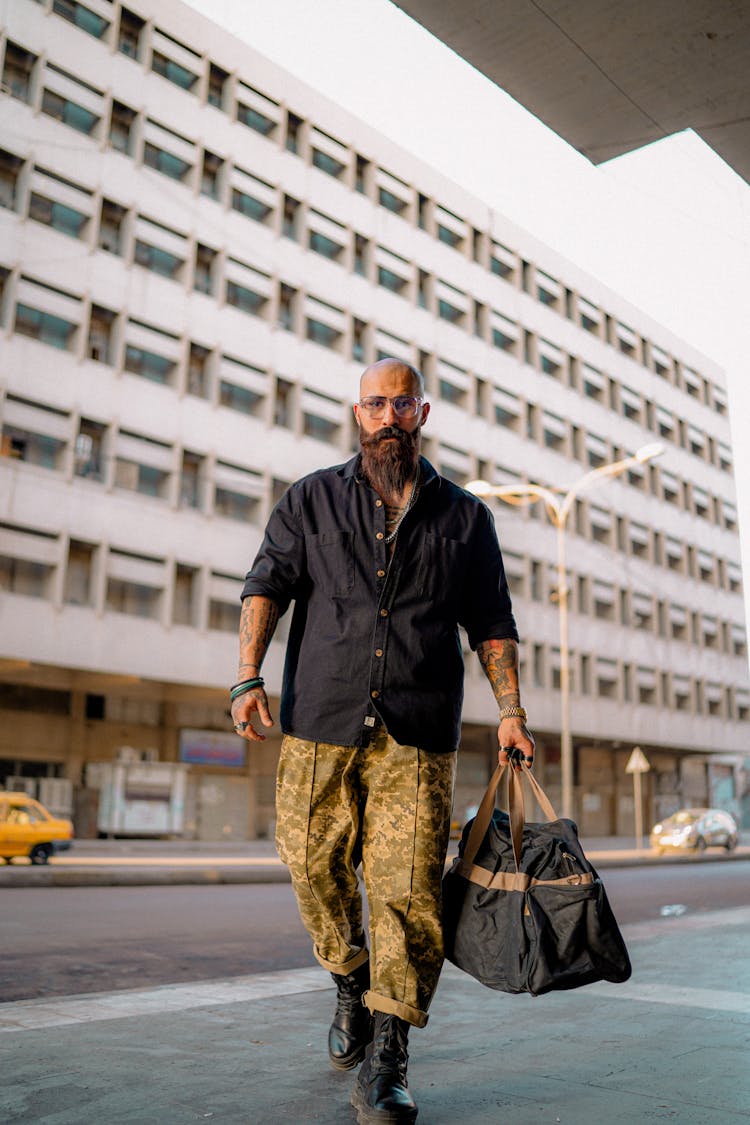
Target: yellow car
[27,829]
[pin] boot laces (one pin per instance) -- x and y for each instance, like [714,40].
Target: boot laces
[389,1055]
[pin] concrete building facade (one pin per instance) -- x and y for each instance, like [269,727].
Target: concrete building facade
[198,256]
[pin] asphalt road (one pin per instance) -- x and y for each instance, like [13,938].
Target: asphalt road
[59,941]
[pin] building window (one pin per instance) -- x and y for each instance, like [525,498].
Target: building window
[69,112]
[449,237]
[390,280]
[99,344]
[34,449]
[236,505]
[56,215]
[197,373]
[239,398]
[172,71]
[18,70]
[21,576]
[217,79]
[184,603]
[10,169]
[121,123]
[223,616]
[129,34]
[321,244]
[79,573]
[244,299]
[149,365]
[211,175]
[255,120]
[283,414]
[166,162]
[82,17]
[449,312]
[321,333]
[359,340]
[361,174]
[191,479]
[203,275]
[250,207]
[45,327]
[323,429]
[290,217]
[89,450]
[111,226]
[390,201]
[133,598]
[361,254]
[293,132]
[328,164]
[287,307]
[144,479]
[157,260]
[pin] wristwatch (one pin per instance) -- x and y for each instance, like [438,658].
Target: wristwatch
[514,713]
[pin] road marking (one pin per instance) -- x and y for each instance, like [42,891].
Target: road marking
[161,861]
[33,1015]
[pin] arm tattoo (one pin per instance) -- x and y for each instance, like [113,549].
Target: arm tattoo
[258,621]
[499,659]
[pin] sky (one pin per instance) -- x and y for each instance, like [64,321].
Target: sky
[667,227]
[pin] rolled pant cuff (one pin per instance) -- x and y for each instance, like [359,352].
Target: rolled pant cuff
[378,1003]
[343,969]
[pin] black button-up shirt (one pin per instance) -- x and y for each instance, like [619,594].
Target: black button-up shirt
[372,635]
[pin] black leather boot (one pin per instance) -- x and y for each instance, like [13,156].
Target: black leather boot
[381,1093]
[352,1024]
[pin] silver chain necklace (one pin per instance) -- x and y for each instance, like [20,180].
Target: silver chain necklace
[392,534]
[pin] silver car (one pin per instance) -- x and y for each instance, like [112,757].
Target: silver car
[696,829]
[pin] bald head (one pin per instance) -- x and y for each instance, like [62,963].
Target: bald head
[389,370]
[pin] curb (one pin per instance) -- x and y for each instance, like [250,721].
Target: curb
[216,875]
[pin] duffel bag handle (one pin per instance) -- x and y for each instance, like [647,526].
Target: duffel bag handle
[516,810]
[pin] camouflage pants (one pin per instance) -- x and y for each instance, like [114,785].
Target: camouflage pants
[387,806]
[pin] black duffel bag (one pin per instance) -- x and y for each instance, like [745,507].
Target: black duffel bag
[523,909]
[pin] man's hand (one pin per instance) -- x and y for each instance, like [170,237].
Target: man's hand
[244,707]
[512,734]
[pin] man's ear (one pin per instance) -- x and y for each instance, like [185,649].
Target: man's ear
[425,412]
[355,408]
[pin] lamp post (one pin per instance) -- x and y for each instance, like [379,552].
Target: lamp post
[558,506]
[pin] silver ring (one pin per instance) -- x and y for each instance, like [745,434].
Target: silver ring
[240,726]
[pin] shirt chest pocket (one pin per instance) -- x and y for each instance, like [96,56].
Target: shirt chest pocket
[330,562]
[443,568]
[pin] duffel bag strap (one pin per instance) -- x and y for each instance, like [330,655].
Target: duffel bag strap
[515,808]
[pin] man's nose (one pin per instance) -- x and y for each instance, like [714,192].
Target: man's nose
[390,417]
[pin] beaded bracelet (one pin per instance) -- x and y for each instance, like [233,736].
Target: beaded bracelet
[244,686]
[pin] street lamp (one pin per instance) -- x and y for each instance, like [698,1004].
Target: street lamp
[558,505]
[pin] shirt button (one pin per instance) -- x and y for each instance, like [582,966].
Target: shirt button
[374,694]
[378,503]
[384,613]
[381,574]
[379,535]
[378,652]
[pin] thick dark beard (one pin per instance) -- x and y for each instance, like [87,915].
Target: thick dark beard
[390,466]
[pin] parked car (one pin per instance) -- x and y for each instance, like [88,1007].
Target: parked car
[695,828]
[28,829]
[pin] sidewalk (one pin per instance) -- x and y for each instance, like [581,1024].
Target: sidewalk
[669,1045]
[170,862]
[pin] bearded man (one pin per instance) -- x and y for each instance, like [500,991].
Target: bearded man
[384,560]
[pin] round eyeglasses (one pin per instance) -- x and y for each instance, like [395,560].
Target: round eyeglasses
[405,406]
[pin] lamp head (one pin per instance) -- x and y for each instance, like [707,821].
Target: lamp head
[646,452]
[479,487]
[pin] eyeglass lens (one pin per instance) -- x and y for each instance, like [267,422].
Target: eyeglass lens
[405,406]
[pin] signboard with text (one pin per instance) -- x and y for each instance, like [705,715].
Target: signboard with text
[211,748]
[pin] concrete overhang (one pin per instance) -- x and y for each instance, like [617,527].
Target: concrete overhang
[610,76]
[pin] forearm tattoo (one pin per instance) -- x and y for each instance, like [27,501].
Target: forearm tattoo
[258,621]
[499,659]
